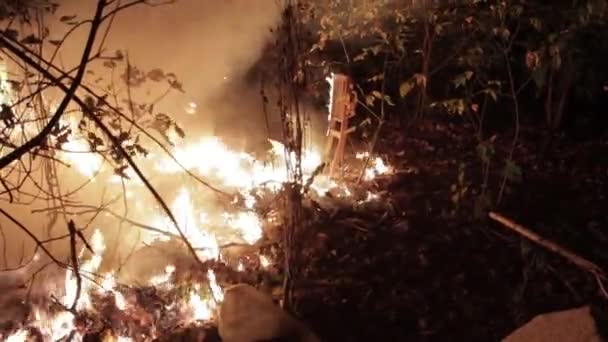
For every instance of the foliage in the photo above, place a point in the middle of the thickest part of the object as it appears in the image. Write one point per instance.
(466, 59)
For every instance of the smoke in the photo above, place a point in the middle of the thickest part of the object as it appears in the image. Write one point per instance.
(210, 45)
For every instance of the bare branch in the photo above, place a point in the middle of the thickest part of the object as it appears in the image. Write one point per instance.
(41, 136)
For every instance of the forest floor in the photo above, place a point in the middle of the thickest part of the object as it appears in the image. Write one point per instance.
(430, 273)
(413, 264)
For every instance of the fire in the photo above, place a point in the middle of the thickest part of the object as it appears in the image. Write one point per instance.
(183, 211)
(201, 309)
(208, 157)
(264, 261)
(376, 168)
(85, 269)
(19, 336)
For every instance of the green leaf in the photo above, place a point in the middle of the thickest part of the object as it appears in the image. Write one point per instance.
(405, 88)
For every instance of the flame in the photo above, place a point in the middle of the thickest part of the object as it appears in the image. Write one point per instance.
(208, 157)
(19, 336)
(163, 278)
(183, 210)
(201, 309)
(264, 261)
(330, 80)
(377, 168)
(217, 292)
(78, 152)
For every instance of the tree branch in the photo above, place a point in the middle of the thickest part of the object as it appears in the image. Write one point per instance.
(41, 136)
(577, 260)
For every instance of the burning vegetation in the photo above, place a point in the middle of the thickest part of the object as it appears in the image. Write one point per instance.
(366, 213)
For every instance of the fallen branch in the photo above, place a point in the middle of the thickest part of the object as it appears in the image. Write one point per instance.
(584, 264)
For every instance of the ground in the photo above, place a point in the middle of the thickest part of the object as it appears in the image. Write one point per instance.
(426, 273)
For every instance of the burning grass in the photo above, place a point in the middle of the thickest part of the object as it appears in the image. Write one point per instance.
(184, 297)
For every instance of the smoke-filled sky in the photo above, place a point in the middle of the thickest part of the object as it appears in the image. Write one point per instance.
(206, 43)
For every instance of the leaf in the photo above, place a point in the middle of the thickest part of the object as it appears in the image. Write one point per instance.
(67, 18)
(365, 122)
(512, 171)
(156, 75)
(360, 56)
(420, 80)
(109, 64)
(460, 81)
(180, 132)
(118, 55)
(369, 100)
(176, 85)
(55, 42)
(405, 88)
(536, 23)
(31, 39)
(376, 49)
(377, 94)
(389, 100)
(376, 78)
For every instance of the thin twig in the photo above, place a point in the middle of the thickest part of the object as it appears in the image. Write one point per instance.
(41, 136)
(74, 257)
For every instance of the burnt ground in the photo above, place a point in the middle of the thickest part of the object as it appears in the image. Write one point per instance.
(428, 272)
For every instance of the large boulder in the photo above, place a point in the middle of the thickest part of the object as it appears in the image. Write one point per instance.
(575, 325)
(249, 315)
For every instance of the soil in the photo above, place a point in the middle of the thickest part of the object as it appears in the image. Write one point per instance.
(436, 273)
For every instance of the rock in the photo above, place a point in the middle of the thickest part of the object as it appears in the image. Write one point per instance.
(249, 315)
(575, 325)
